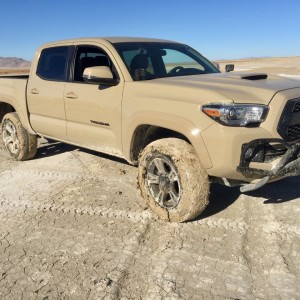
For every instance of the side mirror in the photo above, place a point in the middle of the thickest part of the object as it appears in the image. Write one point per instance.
(229, 68)
(99, 75)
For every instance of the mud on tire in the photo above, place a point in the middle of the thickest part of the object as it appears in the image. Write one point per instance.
(172, 180)
(20, 144)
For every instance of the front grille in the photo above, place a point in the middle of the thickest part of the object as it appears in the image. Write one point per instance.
(289, 123)
(294, 132)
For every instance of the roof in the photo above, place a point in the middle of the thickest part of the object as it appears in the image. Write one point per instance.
(133, 39)
(110, 40)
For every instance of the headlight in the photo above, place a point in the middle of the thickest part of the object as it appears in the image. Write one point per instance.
(236, 114)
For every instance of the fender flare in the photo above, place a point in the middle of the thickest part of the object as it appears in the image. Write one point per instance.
(175, 123)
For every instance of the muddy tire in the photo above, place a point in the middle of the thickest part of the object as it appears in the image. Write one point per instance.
(4, 109)
(172, 180)
(20, 144)
(2, 113)
(1, 118)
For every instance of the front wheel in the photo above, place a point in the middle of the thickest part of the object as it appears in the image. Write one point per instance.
(172, 180)
(20, 144)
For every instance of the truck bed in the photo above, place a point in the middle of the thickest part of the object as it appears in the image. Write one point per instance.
(13, 92)
(14, 76)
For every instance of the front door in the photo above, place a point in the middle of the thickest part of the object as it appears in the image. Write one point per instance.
(93, 114)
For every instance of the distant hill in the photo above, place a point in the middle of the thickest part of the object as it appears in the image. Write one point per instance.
(14, 63)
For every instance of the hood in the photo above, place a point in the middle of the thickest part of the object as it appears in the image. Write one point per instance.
(239, 87)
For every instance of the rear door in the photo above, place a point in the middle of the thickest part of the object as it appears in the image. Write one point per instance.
(93, 113)
(45, 93)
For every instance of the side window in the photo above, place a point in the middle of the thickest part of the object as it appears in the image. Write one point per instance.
(87, 56)
(53, 63)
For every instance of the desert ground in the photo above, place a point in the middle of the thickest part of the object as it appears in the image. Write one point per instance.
(74, 226)
(13, 71)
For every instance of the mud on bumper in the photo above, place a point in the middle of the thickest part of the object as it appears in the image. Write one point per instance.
(287, 157)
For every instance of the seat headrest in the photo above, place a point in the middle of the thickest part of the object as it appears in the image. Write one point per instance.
(87, 61)
(101, 61)
(140, 61)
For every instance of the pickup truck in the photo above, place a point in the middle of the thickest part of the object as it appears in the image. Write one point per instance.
(162, 106)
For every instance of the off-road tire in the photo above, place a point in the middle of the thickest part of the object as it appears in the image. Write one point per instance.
(4, 109)
(191, 178)
(2, 113)
(22, 145)
(1, 140)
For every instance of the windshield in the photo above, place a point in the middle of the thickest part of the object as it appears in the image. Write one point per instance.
(151, 60)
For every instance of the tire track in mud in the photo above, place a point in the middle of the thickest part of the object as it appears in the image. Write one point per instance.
(116, 278)
(65, 180)
(52, 184)
(74, 182)
(106, 212)
(39, 174)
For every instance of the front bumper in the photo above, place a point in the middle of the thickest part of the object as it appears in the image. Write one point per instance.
(283, 158)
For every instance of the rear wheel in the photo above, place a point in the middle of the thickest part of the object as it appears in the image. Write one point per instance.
(20, 144)
(4, 109)
(172, 180)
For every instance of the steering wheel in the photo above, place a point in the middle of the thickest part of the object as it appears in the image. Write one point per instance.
(176, 70)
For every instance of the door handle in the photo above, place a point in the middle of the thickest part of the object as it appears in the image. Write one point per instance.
(34, 91)
(71, 95)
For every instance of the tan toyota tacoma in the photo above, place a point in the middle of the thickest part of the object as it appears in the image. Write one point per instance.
(162, 106)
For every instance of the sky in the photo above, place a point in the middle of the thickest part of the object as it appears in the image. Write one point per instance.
(219, 29)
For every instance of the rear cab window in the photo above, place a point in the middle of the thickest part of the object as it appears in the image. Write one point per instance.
(53, 63)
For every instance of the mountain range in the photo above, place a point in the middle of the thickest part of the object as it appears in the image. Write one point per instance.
(14, 63)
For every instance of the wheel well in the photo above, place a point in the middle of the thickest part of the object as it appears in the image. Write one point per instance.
(4, 109)
(146, 134)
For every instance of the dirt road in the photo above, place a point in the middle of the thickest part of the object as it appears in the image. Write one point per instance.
(73, 226)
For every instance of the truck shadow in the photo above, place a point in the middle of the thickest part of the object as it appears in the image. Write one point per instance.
(278, 192)
(222, 197)
(52, 148)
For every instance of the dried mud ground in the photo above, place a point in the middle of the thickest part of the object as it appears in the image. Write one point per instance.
(73, 226)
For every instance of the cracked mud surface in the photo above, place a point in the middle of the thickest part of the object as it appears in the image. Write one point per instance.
(73, 226)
